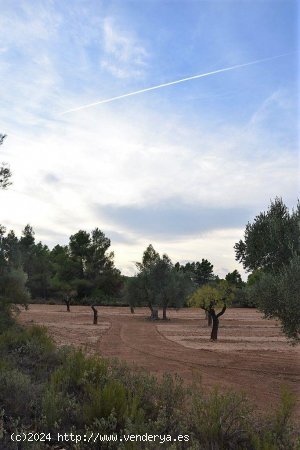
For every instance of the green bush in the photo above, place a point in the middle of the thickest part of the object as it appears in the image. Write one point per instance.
(47, 389)
(277, 432)
(33, 340)
(59, 410)
(112, 399)
(78, 371)
(6, 320)
(16, 392)
(220, 420)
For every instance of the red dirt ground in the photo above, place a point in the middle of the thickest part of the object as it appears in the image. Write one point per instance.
(251, 355)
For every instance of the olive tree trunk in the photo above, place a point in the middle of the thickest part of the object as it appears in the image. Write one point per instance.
(209, 318)
(165, 313)
(215, 321)
(95, 315)
(154, 313)
(67, 302)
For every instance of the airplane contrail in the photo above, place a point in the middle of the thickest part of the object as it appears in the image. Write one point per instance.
(170, 83)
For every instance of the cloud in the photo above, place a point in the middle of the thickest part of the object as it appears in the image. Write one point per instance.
(187, 173)
(124, 56)
(119, 238)
(216, 246)
(172, 219)
(51, 178)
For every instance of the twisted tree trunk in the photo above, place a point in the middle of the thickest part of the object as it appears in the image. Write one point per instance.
(215, 320)
(95, 315)
(67, 302)
(154, 314)
(165, 313)
(209, 318)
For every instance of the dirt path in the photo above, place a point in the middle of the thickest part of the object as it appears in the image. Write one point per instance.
(252, 355)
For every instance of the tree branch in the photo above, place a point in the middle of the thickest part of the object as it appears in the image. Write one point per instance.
(222, 312)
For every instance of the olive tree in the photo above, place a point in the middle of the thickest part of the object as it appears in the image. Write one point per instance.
(209, 298)
(277, 295)
(271, 251)
(157, 284)
(271, 239)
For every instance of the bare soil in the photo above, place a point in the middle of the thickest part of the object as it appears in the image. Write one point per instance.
(251, 354)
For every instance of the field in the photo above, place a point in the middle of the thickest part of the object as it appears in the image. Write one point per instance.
(251, 355)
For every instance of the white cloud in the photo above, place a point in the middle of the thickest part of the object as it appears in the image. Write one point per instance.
(27, 24)
(123, 153)
(124, 56)
(104, 157)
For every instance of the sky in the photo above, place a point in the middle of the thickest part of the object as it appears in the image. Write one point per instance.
(184, 167)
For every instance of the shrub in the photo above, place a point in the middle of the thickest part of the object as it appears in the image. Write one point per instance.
(16, 392)
(78, 371)
(59, 409)
(33, 340)
(112, 399)
(220, 420)
(47, 389)
(278, 432)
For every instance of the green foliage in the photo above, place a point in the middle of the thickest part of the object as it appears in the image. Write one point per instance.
(137, 291)
(271, 240)
(209, 298)
(55, 405)
(277, 295)
(234, 278)
(112, 399)
(6, 319)
(171, 400)
(82, 269)
(82, 394)
(78, 371)
(277, 432)
(12, 278)
(209, 295)
(158, 283)
(12, 287)
(150, 257)
(220, 420)
(15, 392)
(200, 272)
(254, 277)
(86, 267)
(15, 339)
(281, 420)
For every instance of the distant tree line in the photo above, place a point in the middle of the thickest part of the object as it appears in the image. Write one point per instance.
(83, 268)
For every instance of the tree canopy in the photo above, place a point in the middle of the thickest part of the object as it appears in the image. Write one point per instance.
(277, 295)
(271, 251)
(158, 283)
(234, 278)
(216, 295)
(271, 239)
(84, 268)
(209, 298)
(12, 278)
(200, 272)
